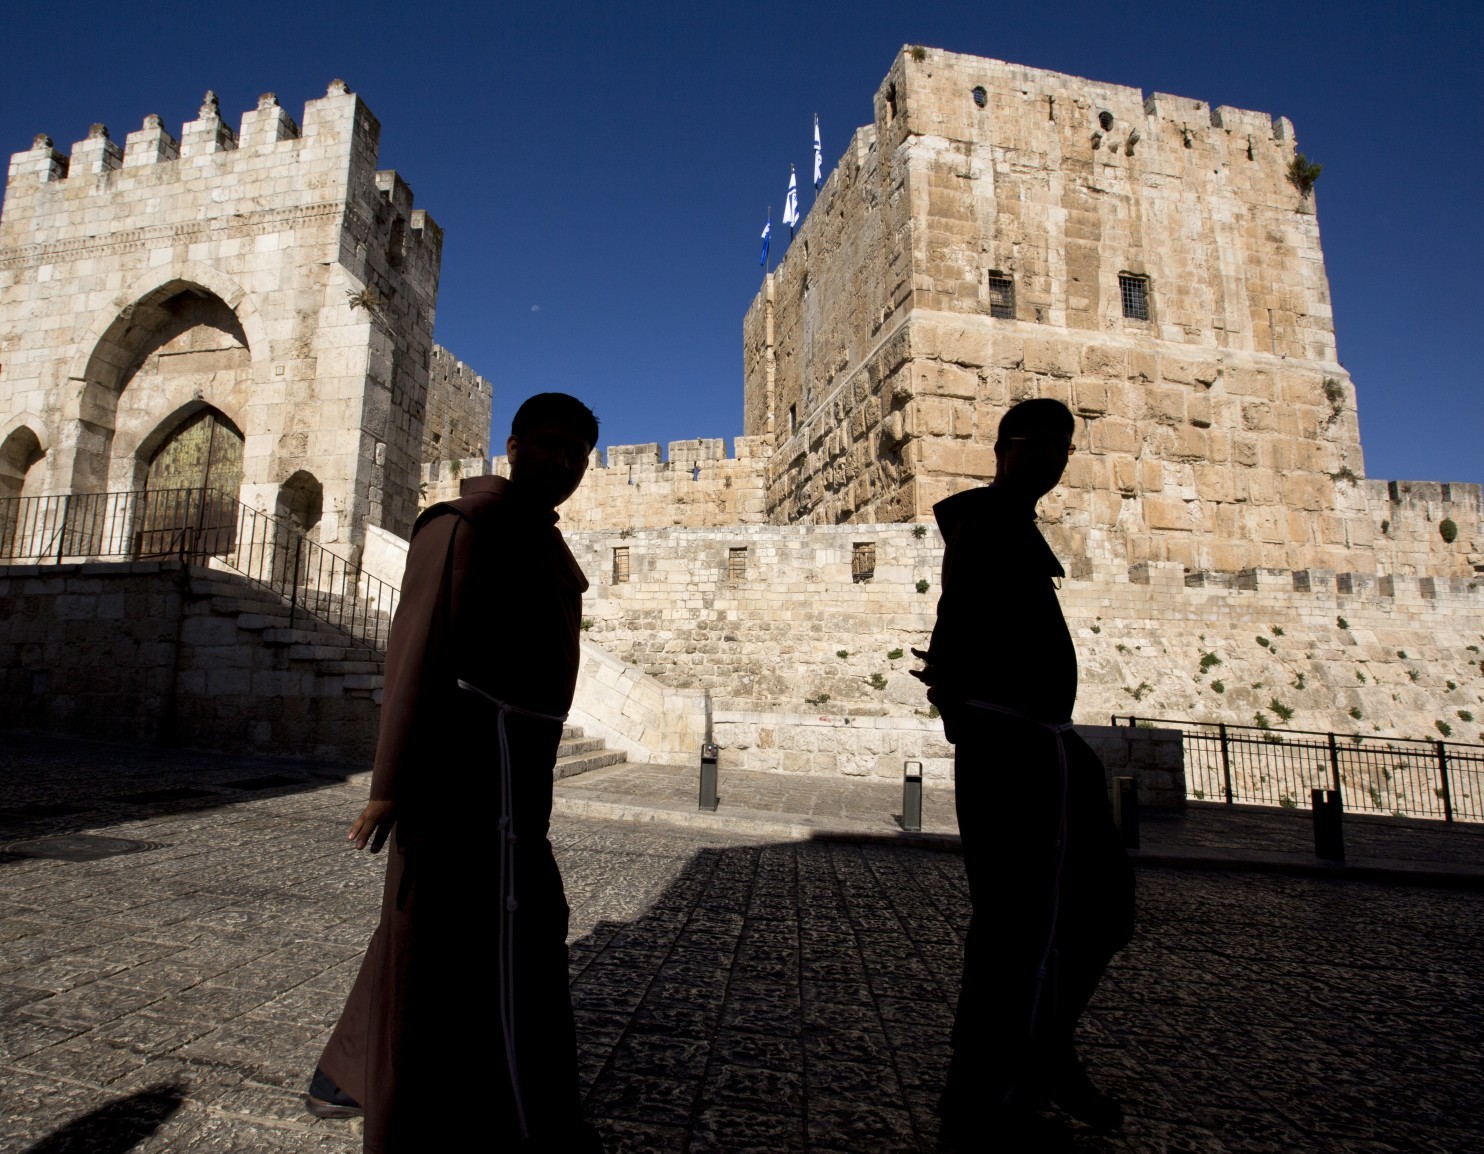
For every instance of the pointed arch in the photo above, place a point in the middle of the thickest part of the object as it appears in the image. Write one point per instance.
(198, 335)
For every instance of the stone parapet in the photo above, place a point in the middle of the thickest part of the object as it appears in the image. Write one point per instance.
(634, 487)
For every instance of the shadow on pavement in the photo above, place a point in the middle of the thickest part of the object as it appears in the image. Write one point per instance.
(51, 787)
(116, 1127)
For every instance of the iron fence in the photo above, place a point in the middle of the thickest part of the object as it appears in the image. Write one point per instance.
(1403, 777)
(201, 527)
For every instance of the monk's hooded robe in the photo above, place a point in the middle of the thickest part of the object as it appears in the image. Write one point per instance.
(455, 979)
(1050, 886)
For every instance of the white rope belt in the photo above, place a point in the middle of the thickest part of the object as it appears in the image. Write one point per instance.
(1058, 730)
(508, 902)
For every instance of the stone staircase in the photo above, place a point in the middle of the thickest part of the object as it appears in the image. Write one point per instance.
(338, 665)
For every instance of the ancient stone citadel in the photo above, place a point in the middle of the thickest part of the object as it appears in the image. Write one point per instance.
(997, 232)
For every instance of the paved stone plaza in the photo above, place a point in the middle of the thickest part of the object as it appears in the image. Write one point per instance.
(734, 991)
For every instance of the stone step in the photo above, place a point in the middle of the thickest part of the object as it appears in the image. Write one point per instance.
(579, 745)
(349, 665)
(583, 762)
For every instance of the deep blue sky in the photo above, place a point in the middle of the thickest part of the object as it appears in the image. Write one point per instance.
(601, 171)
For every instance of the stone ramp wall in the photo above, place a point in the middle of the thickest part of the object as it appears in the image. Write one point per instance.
(1396, 649)
(154, 651)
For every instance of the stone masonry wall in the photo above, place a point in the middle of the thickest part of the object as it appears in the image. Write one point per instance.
(456, 424)
(1402, 652)
(696, 484)
(151, 651)
(1410, 532)
(325, 272)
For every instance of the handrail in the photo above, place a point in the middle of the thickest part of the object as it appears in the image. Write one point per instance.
(1402, 776)
(202, 526)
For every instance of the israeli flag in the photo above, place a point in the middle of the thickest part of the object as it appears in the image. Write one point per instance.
(818, 158)
(767, 235)
(791, 204)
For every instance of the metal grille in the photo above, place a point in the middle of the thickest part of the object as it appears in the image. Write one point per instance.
(863, 561)
(201, 527)
(1135, 293)
(1381, 775)
(736, 564)
(1001, 297)
(620, 564)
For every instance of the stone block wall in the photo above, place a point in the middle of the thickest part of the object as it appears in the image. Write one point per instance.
(152, 651)
(322, 272)
(763, 631)
(633, 487)
(1410, 535)
(456, 425)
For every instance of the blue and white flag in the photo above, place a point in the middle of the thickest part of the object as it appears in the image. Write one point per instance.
(791, 204)
(818, 158)
(767, 235)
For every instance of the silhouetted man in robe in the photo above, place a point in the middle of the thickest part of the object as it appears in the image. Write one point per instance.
(1051, 887)
(458, 1032)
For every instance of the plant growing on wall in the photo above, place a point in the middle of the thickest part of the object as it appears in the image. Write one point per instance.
(894, 655)
(1284, 712)
(1448, 530)
(1302, 173)
(878, 681)
(922, 586)
(1444, 728)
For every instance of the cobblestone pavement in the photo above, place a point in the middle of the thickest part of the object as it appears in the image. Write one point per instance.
(733, 993)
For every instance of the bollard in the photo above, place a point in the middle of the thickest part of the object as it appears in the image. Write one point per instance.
(912, 796)
(1126, 810)
(709, 799)
(1329, 831)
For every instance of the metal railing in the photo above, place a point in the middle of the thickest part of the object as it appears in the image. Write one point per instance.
(1403, 777)
(201, 527)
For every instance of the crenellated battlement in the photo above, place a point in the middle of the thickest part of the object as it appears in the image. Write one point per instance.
(630, 487)
(330, 157)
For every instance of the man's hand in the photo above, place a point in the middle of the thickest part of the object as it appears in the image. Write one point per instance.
(374, 825)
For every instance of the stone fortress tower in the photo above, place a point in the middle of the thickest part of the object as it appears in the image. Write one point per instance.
(1001, 232)
(251, 309)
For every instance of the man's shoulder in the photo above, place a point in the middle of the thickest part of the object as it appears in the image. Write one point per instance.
(476, 505)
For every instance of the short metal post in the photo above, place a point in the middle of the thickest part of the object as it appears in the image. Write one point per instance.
(1226, 763)
(912, 796)
(1329, 830)
(1126, 810)
(1443, 777)
(709, 800)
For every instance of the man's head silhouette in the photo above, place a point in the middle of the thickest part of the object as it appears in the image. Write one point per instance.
(1033, 446)
(550, 440)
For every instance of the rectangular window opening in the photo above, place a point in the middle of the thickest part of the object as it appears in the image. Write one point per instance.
(620, 564)
(1001, 296)
(863, 561)
(793, 419)
(737, 564)
(1134, 291)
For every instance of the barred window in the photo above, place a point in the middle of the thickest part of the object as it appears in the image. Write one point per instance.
(1001, 296)
(620, 564)
(863, 561)
(1135, 293)
(737, 564)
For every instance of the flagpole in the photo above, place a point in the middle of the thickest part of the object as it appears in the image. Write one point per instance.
(768, 256)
